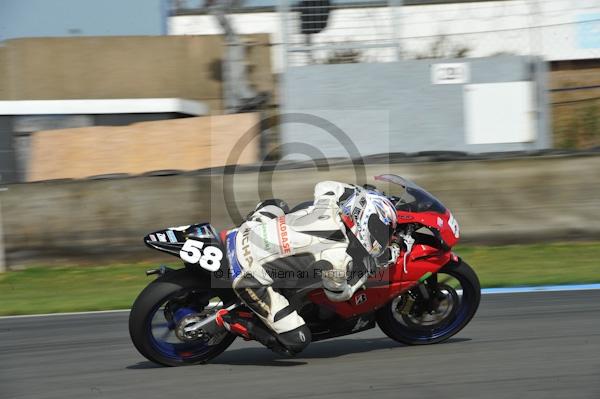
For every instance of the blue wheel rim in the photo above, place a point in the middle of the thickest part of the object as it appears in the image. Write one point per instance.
(459, 316)
(162, 337)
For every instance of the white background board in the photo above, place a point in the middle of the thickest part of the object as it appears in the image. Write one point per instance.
(499, 113)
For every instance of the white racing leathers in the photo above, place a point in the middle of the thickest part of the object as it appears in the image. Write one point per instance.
(271, 247)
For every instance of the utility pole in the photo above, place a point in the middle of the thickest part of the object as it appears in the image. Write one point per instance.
(2, 254)
(238, 94)
(397, 8)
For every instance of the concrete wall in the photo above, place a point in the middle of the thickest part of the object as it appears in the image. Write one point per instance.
(123, 67)
(183, 144)
(510, 200)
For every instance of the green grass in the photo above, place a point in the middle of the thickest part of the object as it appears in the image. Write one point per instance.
(545, 264)
(67, 289)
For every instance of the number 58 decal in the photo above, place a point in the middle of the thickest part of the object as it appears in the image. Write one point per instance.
(193, 251)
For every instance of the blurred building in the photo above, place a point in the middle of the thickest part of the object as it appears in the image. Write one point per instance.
(49, 84)
(561, 95)
(418, 75)
(21, 120)
(75, 64)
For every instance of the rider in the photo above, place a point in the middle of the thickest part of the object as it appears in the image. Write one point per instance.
(345, 235)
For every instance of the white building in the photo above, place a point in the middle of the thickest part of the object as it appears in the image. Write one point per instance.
(555, 29)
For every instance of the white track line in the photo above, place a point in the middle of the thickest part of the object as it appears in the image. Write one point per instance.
(484, 291)
(66, 314)
(543, 288)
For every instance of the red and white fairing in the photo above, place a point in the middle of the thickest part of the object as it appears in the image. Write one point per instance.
(414, 206)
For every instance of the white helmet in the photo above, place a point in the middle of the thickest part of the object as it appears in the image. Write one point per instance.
(374, 218)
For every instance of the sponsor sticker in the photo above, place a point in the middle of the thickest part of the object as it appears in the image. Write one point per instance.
(356, 212)
(282, 235)
(361, 323)
(362, 298)
(454, 226)
(152, 237)
(161, 237)
(171, 236)
(265, 237)
(234, 264)
(203, 232)
(246, 253)
(302, 336)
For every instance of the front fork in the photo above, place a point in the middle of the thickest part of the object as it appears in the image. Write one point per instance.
(423, 297)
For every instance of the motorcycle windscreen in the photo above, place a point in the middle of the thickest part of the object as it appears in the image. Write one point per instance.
(411, 197)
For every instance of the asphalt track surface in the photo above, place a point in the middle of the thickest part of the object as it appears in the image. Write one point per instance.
(535, 345)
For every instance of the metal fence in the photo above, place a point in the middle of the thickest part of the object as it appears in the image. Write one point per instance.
(307, 32)
(323, 31)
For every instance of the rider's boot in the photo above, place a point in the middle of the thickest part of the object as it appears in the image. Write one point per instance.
(248, 327)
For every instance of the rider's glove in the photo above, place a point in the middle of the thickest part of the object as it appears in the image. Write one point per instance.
(389, 256)
(394, 253)
(339, 296)
(340, 290)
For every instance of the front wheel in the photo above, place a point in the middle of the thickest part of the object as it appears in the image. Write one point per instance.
(166, 303)
(434, 310)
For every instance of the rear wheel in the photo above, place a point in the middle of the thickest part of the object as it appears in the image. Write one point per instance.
(165, 304)
(436, 309)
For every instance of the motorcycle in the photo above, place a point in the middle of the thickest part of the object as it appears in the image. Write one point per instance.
(428, 295)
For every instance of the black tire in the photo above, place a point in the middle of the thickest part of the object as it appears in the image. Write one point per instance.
(150, 299)
(458, 318)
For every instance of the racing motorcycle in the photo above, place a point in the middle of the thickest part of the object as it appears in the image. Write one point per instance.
(426, 297)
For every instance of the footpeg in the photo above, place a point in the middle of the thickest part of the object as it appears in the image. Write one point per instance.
(231, 323)
(246, 326)
(162, 270)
